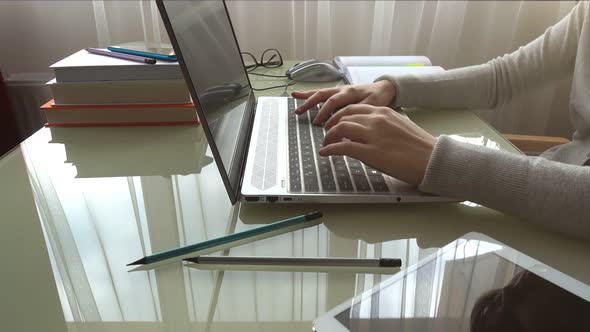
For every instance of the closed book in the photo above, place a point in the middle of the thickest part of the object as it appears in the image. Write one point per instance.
(128, 115)
(120, 92)
(83, 67)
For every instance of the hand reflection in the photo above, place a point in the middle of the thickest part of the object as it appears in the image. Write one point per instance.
(432, 225)
(530, 303)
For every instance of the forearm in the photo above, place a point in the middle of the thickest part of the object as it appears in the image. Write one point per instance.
(548, 58)
(548, 193)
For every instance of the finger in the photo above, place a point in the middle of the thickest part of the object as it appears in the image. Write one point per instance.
(358, 151)
(363, 119)
(303, 94)
(353, 131)
(318, 97)
(334, 103)
(348, 110)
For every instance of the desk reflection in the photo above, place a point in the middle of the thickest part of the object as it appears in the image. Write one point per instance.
(95, 226)
(133, 151)
(468, 288)
(529, 303)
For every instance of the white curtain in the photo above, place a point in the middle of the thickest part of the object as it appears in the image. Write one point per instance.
(451, 33)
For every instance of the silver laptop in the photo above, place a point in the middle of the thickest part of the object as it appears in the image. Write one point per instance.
(264, 152)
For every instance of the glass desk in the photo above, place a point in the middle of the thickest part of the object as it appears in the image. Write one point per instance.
(78, 204)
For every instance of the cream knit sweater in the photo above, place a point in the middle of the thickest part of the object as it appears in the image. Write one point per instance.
(552, 190)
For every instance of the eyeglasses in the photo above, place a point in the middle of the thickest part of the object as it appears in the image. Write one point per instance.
(270, 58)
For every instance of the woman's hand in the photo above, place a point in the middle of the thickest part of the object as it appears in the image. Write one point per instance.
(380, 138)
(377, 94)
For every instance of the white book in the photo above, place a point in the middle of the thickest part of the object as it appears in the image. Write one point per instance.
(120, 92)
(366, 75)
(84, 67)
(364, 69)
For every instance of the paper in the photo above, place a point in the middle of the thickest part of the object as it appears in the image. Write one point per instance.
(398, 60)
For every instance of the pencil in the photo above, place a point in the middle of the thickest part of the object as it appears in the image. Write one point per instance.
(251, 235)
(123, 56)
(297, 261)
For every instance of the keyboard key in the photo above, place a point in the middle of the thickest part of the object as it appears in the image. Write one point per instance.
(325, 169)
(295, 187)
(380, 187)
(378, 183)
(341, 168)
(354, 164)
(372, 172)
(328, 184)
(338, 160)
(344, 183)
(311, 184)
(361, 183)
(357, 171)
(309, 173)
(323, 161)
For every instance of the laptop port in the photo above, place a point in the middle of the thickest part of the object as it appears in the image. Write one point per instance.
(252, 199)
(287, 199)
(272, 199)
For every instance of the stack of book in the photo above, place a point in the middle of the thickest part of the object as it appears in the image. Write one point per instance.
(95, 90)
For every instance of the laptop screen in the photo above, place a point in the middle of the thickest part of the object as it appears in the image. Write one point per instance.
(204, 42)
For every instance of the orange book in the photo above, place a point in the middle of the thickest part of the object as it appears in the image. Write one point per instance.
(119, 115)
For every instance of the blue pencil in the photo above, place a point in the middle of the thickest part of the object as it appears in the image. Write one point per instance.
(144, 54)
(275, 228)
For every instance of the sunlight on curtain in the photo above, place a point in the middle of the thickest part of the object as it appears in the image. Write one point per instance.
(451, 33)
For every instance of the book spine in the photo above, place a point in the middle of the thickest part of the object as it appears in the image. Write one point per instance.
(124, 124)
(120, 93)
(117, 73)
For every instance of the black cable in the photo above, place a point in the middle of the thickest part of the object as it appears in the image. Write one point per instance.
(267, 75)
(274, 87)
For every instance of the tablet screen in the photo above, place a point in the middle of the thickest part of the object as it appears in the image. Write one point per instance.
(468, 289)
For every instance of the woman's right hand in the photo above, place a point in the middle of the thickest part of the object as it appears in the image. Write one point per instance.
(380, 93)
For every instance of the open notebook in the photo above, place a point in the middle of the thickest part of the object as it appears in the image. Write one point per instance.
(365, 69)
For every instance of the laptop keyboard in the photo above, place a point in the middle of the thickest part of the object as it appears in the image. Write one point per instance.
(308, 172)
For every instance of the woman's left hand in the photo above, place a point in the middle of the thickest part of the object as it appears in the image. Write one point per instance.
(381, 138)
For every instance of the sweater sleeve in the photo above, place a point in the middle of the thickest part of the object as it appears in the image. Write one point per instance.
(552, 194)
(549, 57)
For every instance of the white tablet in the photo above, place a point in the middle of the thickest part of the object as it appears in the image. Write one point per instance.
(472, 284)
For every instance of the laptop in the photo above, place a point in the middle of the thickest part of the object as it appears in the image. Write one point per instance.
(265, 153)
